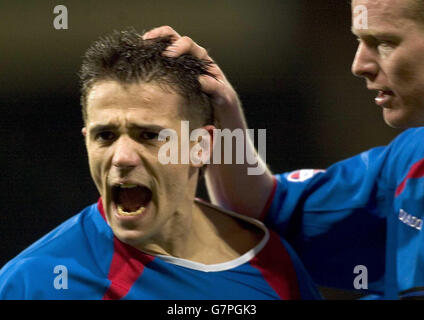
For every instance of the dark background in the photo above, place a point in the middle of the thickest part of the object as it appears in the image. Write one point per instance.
(289, 60)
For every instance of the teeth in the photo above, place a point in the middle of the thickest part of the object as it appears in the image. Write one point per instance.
(122, 212)
(128, 186)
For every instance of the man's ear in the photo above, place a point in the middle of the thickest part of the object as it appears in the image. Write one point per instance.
(84, 131)
(201, 151)
(210, 129)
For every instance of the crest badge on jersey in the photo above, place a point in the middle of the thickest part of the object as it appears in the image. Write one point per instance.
(303, 175)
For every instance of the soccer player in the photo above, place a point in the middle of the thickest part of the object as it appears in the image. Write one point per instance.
(363, 213)
(147, 237)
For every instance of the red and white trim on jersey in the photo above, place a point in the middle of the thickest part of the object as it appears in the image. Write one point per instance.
(416, 171)
(269, 256)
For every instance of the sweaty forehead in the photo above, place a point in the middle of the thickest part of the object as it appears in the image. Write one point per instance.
(149, 98)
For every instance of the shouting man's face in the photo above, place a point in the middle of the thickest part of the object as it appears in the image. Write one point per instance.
(144, 200)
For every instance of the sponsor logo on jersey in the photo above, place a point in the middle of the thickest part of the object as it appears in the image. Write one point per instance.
(410, 220)
(303, 175)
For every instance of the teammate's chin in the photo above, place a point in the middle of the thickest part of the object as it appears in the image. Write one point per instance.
(401, 117)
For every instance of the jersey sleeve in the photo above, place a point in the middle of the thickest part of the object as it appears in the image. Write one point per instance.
(12, 286)
(336, 219)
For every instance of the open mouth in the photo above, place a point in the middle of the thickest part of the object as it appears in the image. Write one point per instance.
(383, 97)
(131, 199)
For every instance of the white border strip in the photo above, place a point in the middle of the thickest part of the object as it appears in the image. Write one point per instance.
(225, 265)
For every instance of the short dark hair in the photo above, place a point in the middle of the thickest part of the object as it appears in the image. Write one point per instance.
(125, 57)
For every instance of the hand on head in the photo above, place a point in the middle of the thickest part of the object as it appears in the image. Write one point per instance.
(224, 97)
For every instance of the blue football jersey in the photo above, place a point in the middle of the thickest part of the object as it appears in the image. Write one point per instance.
(82, 259)
(365, 211)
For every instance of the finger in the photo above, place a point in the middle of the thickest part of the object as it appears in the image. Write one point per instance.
(211, 86)
(216, 71)
(186, 45)
(216, 89)
(162, 31)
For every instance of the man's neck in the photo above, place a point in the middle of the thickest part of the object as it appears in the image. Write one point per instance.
(205, 235)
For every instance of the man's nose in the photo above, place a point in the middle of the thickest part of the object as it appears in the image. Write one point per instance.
(364, 65)
(125, 154)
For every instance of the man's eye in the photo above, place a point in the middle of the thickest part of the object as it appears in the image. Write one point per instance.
(386, 47)
(383, 43)
(145, 135)
(105, 136)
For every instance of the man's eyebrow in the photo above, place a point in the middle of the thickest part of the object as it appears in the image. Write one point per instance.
(146, 127)
(372, 33)
(363, 32)
(94, 128)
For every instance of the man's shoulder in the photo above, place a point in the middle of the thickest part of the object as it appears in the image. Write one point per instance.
(82, 246)
(406, 152)
(54, 245)
(410, 140)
